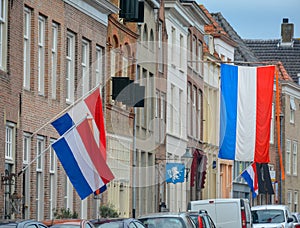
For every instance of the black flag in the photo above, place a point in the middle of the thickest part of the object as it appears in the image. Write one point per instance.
(264, 179)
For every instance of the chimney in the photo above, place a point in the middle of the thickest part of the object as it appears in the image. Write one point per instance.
(287, 31)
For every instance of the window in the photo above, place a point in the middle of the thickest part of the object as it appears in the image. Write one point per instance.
(26, 60)
(272, 124)
(189, 49)
(143, 112)
(99, 65)
(41, 55)
(181, 56)
(292, 110)
(85, 79)
(173, 46)
(52, 160)
(162, 116)
(288, 156)
(39, 196)
(125, 66)
(189, 108)
(289, 199)
(180, 112)
(151, 40)
(162, 106)
(194, 120)
(145, 35)
(295, 157)
(199, 121)
(200, 56)
(70, 67)
(26, 148)
(26, 174)
(160, 47)
(40, 146)
(9, 141)
(3, 34)
(171, 105)
(52, 184)
(296, 201)
(52, 195)
(194, 52)
(54, 59)
(156, 104)
(68, 193)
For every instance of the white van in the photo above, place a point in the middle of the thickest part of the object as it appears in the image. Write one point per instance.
(272, 216)
(226, 213)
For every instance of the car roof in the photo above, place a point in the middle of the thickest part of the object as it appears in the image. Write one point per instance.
(107, 220)
(64, 221)
(269, 207)
(22, 222)
(164, 214)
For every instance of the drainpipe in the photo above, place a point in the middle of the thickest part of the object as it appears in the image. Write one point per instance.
(280, 181)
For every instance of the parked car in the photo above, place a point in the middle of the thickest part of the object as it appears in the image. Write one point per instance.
(272, 216)
(202, 219)
(225, 213)
(117, 223)
(296, 217)
(68, 223)
(21, 224)
(168, 220)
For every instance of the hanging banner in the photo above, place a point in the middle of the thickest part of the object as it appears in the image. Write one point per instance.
(175, 173)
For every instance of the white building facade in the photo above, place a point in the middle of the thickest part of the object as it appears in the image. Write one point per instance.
(177, 23)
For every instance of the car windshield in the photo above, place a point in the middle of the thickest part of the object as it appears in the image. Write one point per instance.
(65, 226)
(112, 224)
(268, 216)
(194, 217)
(165, 222)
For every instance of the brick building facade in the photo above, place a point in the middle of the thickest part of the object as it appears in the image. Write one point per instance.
(51, 46)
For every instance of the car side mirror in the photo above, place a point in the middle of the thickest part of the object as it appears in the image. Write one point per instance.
(290, 219)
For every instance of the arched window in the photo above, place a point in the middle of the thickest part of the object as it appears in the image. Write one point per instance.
(126, 56)
(145, 35)
(189, 48)
(114, 56)
(151, 40)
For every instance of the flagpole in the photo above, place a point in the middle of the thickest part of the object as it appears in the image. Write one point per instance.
(278, 125)
(29, 164)
(241, 173)
(63, 111)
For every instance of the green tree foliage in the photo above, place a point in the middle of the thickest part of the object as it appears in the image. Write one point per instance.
(64, 213)
(108, 211)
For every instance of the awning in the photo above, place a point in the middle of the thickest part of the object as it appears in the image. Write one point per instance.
(292, 103)
(198, 169)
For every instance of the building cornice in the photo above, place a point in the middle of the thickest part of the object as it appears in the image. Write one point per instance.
(199, 17)
(290, 88)
(174, 8)
(122, 27)
(97, 9)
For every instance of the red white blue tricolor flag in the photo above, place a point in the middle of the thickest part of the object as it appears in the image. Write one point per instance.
(245, 112)
(250, 176)
(81, 148)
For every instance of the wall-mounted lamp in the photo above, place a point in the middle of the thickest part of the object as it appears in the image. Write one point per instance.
(121, 186)
(8, 178)
(187, 157)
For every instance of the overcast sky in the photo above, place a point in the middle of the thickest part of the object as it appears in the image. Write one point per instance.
(257, 19)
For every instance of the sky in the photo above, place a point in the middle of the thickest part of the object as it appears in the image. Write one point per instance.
(257, 19)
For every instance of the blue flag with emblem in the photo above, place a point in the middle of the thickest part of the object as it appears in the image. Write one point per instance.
(175, 173)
